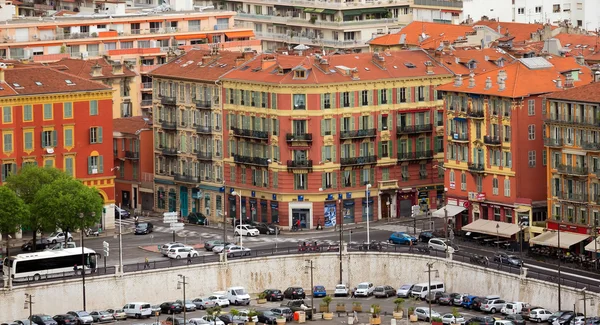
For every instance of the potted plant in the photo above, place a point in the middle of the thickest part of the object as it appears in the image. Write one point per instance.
(213, 312)
(326, 313)
(280, 320)
(357, 307)
(262, 298)
(375, 319)
(340, 307)
(399, 310)
(234, 312)
(322, 307)
(436, 321)
(251, 315)
(411, 314)
(455, 313)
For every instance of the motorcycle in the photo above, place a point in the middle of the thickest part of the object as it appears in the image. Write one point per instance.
(372, 246)
(91, 232)
(479, 259)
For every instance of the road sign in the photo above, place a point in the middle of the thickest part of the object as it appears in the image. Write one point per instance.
(176, 226)
(106, 247)
(170, 217)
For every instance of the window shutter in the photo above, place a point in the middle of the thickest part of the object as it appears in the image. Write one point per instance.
(352, 95)
(322, 101)
(3, 175)
(273, 100)
(277, 127)
(89, 165)
(389, 122)
(371, 122)
(351, 124)
(323, 180)
(360, 123)
(353, 177)
(379, 149)
(333, 123)
(226, 95)
(426, 93)
(361, 152)
(372, 175)
(409, 94)
(100, 164)
(332, 100)
(323, 127)
(379, 97)
(323, 158)
(370, 97)
(333, 148)
(409, 145)
(334, 179)
(362, 176)
(397, 91)
(379, 122)
(54, 138)
(99, 134)
(389, 95)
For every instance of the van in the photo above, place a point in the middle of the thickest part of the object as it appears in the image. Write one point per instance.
(514, 307)
(138, 309)
(420, 290)
(238, 296)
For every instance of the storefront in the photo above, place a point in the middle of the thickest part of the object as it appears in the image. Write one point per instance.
(348, 211)
(275, 212)
(406, 199)
(367, 209)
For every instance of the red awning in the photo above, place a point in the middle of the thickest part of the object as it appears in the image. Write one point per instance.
(240, 34)
(47, 27)
(451, 11)
(194, 36)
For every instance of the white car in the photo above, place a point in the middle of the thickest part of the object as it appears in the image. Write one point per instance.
(182, 252)
(219, 299)
(441, 245)
(246, 230)
(243, 316)
(450, 319)
(164, 249)
(219, 248)
(579, 320)
(423, 313)
(206, 320)
(59, 237)
(234, 251)
(341, 290)
(364, 289)
(539, 315)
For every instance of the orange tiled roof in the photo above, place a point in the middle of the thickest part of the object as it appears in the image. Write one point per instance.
(210, 69)
(396, 64)
(44, 80)
(485, 60)
(521, 32)
(587, 93)
(436, 33)
(522, 81)
(83, 68)
(585, 45)
(130, 125)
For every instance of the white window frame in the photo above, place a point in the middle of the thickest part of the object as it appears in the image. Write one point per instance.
(507, 187)
(531, 107)
(531, 131)
(531, 158)
(495, 186)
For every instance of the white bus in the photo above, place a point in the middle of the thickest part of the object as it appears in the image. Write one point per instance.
(48, 264)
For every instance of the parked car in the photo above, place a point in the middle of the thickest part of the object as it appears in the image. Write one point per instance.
(175, 320)
(458, 299)
(65, 319)
(235, 250)
(267, 317)
(441, 245)
(592, 320)
(284, 312)
(516, 319)
(425, 236)
(267, 229)
(229, 319)
(467, 301)
(144, 228)
(319, 291)
(493, 305)
(341, 290)
(243, 316)
(203, 303)
(448, 319)
(273, 294)
(197, 218)
(220, 248)
(188, 305)
(294, 293)
(481, 320)
(433, 296)
(245, 230)
(23, 322)
(423, 313)
(164, 248)
(578, 320)
(566, 318)
(364, 289)
(556, 315)
(42, 319)
(102, 316)
(404, 290)
(384, 291)
(182, 252)
(83, 317)
(40, 244)
(513, 307)
(210, 244)
(504, 258)
(447, 298)
(206, 320)
(170, 308)
(59, 237)
(121, 213)
(155, 309)
(477, 303)
(401, 238)
(527, 310)
(539, 315)
(118, 314)
(220, 300)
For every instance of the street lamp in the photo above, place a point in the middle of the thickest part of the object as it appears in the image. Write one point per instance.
(429, 270)
(368, 186)
(83, 255)
(388, 203)
(240, 195)
(341, 218)
(312, 287)
(179, 286)
(559, 261)
(498, 238)
(28, 304)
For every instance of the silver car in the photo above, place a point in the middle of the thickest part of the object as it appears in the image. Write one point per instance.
(102, 316)
(492, 305)
(164, 249)
(82, 317)
(384, 291)
(423, 313)
(451, 319)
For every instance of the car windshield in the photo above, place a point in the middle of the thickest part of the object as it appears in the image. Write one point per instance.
(120, 310)
(363, 286)
(83, 313)
(418, 289)
(340, 286)
(240, 292)
(378, 289)
(557, 314)
(268, 313)
(405, 287)
(142, 225)
(320, 288)
(46, 318)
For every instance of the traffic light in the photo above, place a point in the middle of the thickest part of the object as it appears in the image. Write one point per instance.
(106, 248)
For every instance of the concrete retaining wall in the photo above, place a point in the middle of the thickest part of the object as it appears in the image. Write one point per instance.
(257, 274)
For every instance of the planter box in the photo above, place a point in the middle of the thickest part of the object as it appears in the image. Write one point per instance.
(262, 301)
(341, 309)
(357, 309)
(250, 323)
(398, 315)
(375, 320)
(328, 316)
(436, 323)
(280, 321)
(323, 309)
(413, 318)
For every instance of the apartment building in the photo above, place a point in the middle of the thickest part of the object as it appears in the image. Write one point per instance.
(305, 135)
(573, 149)
(495, 158)
(55, 119)
(188, 132)
(580, 13)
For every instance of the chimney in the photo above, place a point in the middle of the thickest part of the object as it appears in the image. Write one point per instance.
(501, 84)
(239, 61)
(559, 83)
(96, 70)
(488, 83)
(355, 74)
(472, 80)
(501, 75)
(324, 65)
(267, 61)
(569, 81)
(596, 76)
(248, 54)
(2, 75)
(458, 80)
(378, 60)
(580, 60)
(117, 68)
(429, 67)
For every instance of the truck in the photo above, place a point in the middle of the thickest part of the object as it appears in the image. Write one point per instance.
(299, 305)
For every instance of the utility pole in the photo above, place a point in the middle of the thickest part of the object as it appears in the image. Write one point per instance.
(28, 304)
(429, 270)
(179, 286)
(341, 232)
(120, 241)
(312, 286)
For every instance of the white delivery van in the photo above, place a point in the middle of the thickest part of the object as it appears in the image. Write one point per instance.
(138, 309)
(238, 296)
(421, 290)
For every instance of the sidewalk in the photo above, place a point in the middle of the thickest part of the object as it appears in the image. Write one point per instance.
(27, 236)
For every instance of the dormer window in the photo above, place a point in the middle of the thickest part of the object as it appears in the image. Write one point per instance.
(471, 64)
(299, 74)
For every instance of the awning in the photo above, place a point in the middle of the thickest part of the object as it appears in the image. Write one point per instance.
(550, 238)
(329, 12)
(522, 210)
(374, 10)
(592, 246)
(318, 10)
(492, 228)
(184, 37)
(452, 211)
(247, 33)
(354, 12)
(47, 27)
(309, 9)
(297, 7)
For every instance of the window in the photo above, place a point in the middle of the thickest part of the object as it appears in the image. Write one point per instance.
(49, 139)
(327, 180)
(7, 114)
(96, 134)
(538, 9)
(299, 74)
(507, 187)
(496, 214)
(300, 181)
(95, 165)
(507, 159)
(531, 107)
(521, 11)
(27, 113)
(479, 184)
(69, 163)
(451, 176)
(544, 158)
(47, 111)
(384, 122)
(531, 156)
(28, 140)
(299, 101)
(326, 101)
(384, 149)
(402, 94)
(556, 8)
(364, 95)
(405, 173)
(7, 142)
(346, 99)
(93, 107)
(423, 171)
(384, 99)
(385, 174)
(421, 93)
(531, 131)
(68, 110)
(463, 182)
(68, 138)
(495, 186)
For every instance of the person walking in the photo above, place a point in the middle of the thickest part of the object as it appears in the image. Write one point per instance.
(353, 293)
(189, 258)
(146, 263)
(75, 269)
(298, 224)
(410, 248)
(355, 318)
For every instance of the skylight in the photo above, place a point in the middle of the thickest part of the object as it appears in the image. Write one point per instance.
(38, 83)
(16, 85)
(409, 65)
(69, 82)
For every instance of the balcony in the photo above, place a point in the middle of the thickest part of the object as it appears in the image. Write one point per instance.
(415, 155)
(591, 146)
(299, 164)
(294, 139)
(146, 85)
(204, 155)
(252, 134)
(358, 134)
(388, 185)
(169, 151)
(254, 161)
(182, 178)
(315, 41)
(206, 129)
(439, 3)
(164, 100)
(492, 140)
(552, 142)
(132, 154)
(168, 125)
(475, 114)
(319, 22)
(202, 104)
(459, 137)
(572, 170)
(358, 161)
(476, 168)
(146, 102)
(417, 128)
(575, 197)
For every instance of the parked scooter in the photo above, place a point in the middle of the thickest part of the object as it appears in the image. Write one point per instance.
(479, 259)
(372, 246)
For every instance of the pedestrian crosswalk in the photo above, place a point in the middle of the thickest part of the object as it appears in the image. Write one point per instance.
(409, 229)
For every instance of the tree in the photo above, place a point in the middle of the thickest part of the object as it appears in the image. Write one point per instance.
(26, 184)
(64, 200)
(13, 212)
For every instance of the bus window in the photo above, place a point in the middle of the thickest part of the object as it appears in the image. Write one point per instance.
(92, 261)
